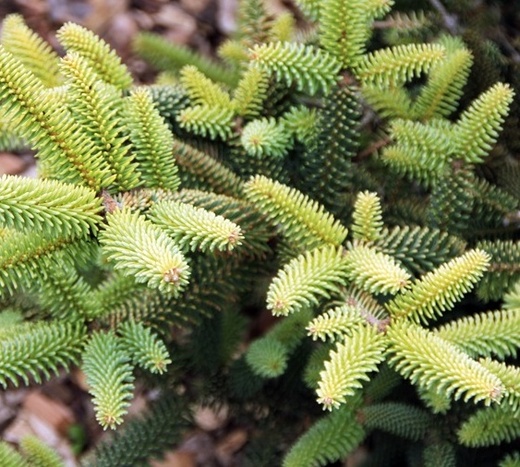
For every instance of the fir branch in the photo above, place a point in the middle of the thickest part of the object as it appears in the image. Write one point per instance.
(206, 170)
(510, 377)
(394, 66)
(109, 376)
(30, 49)
(349, 364)
(250, 93)
(207, 121)
(303, 222)
(97, 107)
(335, 323)
(330, 439)
(201, 90)
(255, 229)
(375, 272)
(478, 127)
(327, 172)
(367, 219)
(266, 137)
(345, 27)
(304, 280)
(151, 142)
(167, 56)
(195, 228)
(48, 206)
(441, 288)
(433, 363)
(40, 118)
(143, 250)
(38, 454)
(440, 96)
(267, 357)
(144, 347)
(97, 53)
(397, 418)
(490, 426)
(485, 334)
(38, 351)
(309, 68)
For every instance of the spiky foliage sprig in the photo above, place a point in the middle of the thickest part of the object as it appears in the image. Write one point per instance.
(394, 66)
(400, 419)
(265, 137)
(142, 249)
(306, 279)
(267, 357)
(421, 356)
(250, 93)
(207, 121)
(349, 364)
(152, 142)
(303, 222)
(32, 50)
(97, 107)
(503, 425)
(309, 68)
(97, 53)
(255, 230)
(367, 219)
(445, 81)
(202, 90)
(195, 228)
(375, 272)
(145, 348)
(109, 376)
(335, 323)
(315, 446)
(510, 377)
(39, 454)
(492, 333)
(477, 129)
(48, 206)
(168, 56)
(39, 351)
(440, 289)
(144, 438)
(39, 118)
(345, 27)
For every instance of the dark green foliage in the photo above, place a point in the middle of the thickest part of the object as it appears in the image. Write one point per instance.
(326, 170)
(144, 438)
(330, 439)
(399, 419)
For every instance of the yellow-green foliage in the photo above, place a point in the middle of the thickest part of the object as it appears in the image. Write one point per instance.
(168, 221)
